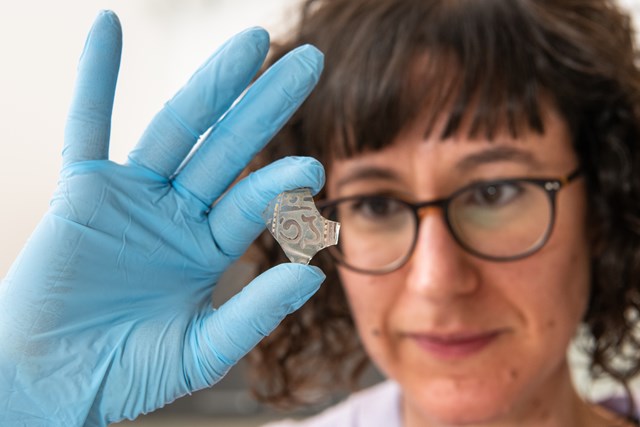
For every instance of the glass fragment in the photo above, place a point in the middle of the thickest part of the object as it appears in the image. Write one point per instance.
(294, 221)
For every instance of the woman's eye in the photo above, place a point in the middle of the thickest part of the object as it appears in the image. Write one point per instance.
(495, 195)
(376, 207)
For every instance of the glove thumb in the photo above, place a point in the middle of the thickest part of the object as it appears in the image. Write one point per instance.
(224, 336)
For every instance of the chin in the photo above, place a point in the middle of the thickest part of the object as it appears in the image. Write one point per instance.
(460, 408)
(463, 417)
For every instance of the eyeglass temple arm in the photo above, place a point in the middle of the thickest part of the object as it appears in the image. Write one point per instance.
(573, 175)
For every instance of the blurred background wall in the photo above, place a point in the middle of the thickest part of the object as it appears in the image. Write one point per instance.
(164, 42)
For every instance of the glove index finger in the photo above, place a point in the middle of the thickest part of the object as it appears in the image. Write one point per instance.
(89, 121)
(236, 219)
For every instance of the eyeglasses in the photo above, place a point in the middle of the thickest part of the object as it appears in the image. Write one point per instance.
(499, 220)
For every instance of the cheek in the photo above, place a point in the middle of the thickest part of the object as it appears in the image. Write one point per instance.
(551, 287)
(550, 291)
(566, 274)
(372, 300)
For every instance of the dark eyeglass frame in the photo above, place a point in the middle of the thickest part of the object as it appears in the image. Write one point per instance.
(551, 186)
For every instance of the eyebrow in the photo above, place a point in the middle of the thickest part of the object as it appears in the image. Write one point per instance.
(491, 155)
(497, 154)
(368, 172)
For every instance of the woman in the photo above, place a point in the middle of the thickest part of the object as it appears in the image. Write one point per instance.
(483, 160)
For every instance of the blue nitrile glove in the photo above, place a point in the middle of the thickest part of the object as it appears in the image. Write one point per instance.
(106, 313)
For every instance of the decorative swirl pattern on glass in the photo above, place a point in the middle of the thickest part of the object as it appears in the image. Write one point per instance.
(294, 221)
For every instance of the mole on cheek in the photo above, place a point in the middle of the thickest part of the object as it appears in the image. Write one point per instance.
(536, 404)
(551, 323)
(514, 374)
(375, 332)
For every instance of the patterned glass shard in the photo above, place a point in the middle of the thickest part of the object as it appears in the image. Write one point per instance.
(294, 221)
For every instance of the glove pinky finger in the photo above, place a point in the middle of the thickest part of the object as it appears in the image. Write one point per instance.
(89, 120)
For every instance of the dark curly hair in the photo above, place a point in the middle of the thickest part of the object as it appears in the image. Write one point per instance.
(495, 64)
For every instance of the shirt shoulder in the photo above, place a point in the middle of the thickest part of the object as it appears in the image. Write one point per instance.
(623, 407)
(376, 406)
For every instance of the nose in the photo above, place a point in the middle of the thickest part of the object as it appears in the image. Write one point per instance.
(439, 269)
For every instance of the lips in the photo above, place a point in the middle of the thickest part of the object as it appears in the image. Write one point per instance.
(454, 346)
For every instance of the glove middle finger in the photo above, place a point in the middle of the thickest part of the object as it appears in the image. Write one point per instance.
(249, 125)
(200, 103)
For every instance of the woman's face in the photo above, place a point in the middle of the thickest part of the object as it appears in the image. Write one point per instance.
(471, 340)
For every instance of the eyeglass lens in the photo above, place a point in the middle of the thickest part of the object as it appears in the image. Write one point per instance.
(500, 221)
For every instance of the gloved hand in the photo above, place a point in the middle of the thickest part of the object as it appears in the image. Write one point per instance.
(106, 313)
